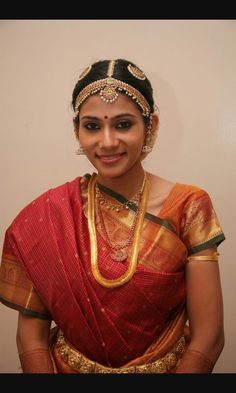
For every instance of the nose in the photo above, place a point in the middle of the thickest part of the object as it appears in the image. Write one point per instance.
(108, 139)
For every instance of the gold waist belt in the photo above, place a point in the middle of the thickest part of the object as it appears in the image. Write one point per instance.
(83, 365)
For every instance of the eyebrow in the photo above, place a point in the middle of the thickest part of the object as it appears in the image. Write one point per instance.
(88, 117)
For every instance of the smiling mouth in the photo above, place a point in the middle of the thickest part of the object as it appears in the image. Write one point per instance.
(110, 158)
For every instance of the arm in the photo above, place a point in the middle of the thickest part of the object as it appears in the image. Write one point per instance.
(33, 344)
(205, 314)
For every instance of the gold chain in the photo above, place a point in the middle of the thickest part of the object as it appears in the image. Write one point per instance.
(119, 251)
(127, 241)
(112, 283)
(115, 206)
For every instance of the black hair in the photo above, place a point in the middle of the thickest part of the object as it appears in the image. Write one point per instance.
(99, 71)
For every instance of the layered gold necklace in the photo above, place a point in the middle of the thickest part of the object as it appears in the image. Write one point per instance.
(112, 283)
(119, 251)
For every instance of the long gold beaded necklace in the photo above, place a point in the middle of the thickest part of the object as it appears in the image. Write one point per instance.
(112, 283)
(119, 251)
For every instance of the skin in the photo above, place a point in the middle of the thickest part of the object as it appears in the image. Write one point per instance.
(205, 307)
(112, 136)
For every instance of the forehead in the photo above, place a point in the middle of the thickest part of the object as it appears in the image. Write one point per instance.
(94, 106)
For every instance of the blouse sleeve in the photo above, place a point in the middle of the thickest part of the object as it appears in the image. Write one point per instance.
(16, 289)
(200, 227)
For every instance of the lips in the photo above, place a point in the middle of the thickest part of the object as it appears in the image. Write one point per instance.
(110, 158)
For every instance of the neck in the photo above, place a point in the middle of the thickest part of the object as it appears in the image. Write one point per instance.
(127, 184)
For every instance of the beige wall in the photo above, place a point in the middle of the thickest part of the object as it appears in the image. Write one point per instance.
(192, 64)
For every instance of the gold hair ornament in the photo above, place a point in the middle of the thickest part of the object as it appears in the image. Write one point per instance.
(109, 88)
(85, 72)
(136, 72)
(112, 283)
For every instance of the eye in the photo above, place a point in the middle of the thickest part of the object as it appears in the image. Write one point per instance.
(124, 124)
(91, 126)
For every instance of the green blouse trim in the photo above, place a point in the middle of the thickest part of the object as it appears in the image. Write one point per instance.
(25, 311)
(120, 198)
(214, 241)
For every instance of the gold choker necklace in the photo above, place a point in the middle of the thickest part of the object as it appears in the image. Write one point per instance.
(104, 201)
(112, 283)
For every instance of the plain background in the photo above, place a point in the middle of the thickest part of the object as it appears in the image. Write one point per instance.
(192, 66)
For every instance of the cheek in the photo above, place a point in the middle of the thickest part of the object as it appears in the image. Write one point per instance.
(137, 139)
(85, 139)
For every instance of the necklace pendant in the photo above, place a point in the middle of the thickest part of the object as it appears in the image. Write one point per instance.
(119, 256)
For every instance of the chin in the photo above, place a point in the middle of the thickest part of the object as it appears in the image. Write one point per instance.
(111, 172)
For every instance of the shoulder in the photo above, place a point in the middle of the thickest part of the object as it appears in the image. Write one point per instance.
(174, 198)
(191, 202)
(175, 190)
(55, 192)
(190, 190)
(190, 193)
(52, 196)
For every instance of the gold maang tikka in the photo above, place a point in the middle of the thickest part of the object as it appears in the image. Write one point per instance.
(109, 88)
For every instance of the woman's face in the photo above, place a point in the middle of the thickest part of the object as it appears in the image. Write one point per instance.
(112, 135)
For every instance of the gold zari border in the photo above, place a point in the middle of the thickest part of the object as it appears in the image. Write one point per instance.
(83, 365)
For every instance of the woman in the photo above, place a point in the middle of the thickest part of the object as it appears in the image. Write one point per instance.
(122, 261)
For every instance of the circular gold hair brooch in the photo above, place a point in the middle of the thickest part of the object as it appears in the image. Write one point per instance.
(85, 72)
(136, 72)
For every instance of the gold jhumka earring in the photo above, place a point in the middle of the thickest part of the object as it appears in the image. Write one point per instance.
(147, 148)
(80, 151)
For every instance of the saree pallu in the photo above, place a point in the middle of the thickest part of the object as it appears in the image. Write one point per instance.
(46, 271)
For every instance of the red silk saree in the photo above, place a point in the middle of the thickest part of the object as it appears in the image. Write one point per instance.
(46, 271)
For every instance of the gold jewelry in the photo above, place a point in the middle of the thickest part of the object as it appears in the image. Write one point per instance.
(115, 206)
(111, 67)
(194, 362)
(108, 89)
(212, 258)
(147, 148)
(80, 151)
(109, 205)
(112, 283)
(119, 252)
(136, 72)
(85, 72)
(83, 365)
